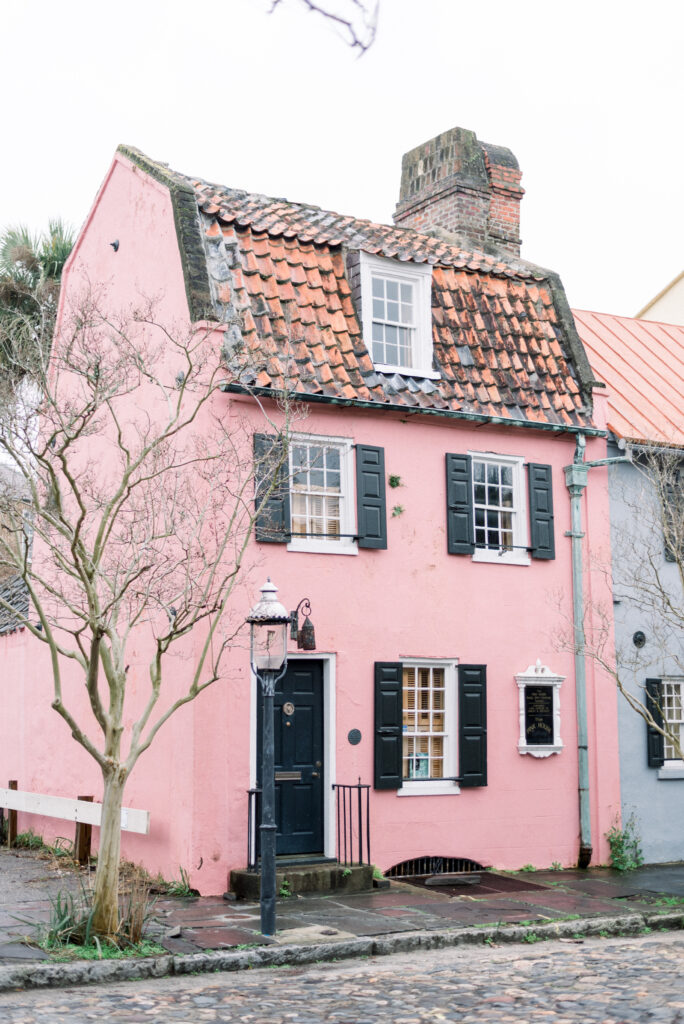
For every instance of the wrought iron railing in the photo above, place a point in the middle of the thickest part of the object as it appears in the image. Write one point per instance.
(353, 823)
(253, 819)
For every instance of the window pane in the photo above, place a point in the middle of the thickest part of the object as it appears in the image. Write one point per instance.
(392, 290)
(378, 287)
(424, 721)
(316, 490)
(507, 475)
(492, 473)
(479, 471)
(378, 309)
(480, 494)
(392, 310)
(507, 497)
(492, 495)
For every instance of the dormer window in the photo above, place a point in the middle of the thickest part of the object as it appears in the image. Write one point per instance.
(397, 318)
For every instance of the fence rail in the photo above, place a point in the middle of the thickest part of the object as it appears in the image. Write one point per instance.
(353, 822)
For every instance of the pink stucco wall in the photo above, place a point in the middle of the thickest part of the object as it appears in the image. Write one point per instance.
(411, 600)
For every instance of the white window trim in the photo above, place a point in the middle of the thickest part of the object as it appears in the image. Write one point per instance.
(673, 767)
(539, 675)
(420, 276)
(439, 787)
(519, 554)
(345, 545)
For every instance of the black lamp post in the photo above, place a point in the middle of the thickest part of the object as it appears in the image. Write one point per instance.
(268, 622)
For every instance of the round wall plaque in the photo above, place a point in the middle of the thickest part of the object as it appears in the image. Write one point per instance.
(288, 708)
(354, 736)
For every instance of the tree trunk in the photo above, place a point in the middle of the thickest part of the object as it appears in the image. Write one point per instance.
(106, 898)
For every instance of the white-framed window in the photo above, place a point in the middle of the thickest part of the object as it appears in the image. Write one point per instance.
(672, 694)
(499, 509)
(429, 727)
(539, 711)
(397, 315)
(321, 494)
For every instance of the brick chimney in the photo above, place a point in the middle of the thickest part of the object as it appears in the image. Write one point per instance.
(462, 190)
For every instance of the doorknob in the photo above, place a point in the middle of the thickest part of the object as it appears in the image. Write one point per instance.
(314, 775)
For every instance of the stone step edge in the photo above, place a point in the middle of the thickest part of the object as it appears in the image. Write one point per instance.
(89, 972)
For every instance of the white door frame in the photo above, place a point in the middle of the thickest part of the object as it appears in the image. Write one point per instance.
(329, 661)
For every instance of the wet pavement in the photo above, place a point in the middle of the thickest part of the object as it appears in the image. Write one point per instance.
(607, 981)
(186, 926)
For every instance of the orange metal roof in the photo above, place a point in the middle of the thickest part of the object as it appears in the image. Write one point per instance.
(642, 364)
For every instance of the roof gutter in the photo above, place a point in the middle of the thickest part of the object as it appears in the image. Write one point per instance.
(471, 417)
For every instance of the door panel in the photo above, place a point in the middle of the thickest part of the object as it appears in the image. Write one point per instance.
(298, 733)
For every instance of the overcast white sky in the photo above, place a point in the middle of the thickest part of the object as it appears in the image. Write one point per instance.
(588, 95)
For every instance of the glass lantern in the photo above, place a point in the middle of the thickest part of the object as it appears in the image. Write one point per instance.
(268, 625)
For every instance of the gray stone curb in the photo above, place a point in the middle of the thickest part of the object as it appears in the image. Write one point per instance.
(89, 972)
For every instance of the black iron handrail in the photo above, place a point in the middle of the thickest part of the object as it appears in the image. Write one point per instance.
(353, 822)
(253, 819)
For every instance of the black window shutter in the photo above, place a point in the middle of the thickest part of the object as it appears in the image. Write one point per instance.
(273, 521)
(459, 483)
(388, 721)
(472, 725)
(371, 506)
(655, 742)
(541, 511)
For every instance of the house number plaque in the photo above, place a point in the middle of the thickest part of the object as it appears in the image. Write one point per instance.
(538, 715)
(288, 708)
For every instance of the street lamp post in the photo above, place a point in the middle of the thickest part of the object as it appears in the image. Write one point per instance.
(268, 624)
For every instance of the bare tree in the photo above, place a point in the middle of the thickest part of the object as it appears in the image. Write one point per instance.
(356, 20)
(647, 575)
(127, 505)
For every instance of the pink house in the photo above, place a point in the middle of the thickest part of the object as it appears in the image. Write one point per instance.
(424, 513)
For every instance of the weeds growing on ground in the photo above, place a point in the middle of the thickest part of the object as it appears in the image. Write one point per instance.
(177, 886)
(70, 923)
(625, 845)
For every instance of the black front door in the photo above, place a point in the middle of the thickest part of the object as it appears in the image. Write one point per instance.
(298, 731)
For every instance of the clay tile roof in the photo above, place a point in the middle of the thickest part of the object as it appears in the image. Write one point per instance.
(291, 305)
(642, 364)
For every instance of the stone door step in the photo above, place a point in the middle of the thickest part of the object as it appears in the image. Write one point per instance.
(295, 879)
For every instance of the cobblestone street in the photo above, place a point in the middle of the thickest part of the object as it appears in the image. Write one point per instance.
(610, 981)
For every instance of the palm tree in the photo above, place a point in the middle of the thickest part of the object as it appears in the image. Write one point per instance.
(30, 272)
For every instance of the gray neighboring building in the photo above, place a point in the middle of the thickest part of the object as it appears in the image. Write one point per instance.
(642, 365)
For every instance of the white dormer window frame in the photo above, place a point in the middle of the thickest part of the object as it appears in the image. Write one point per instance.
(396, 304)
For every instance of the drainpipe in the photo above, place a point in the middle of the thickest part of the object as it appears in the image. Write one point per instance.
(576, 480)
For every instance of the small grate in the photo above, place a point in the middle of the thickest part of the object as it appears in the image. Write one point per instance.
(432, 866)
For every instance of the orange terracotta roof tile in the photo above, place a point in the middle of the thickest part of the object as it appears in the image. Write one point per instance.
(287, 264)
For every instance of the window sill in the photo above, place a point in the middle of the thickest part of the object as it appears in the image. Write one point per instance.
(407, 371)
(323, 547)
(501, 558)
(670, 774)
(541, 751)
(435, 788)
